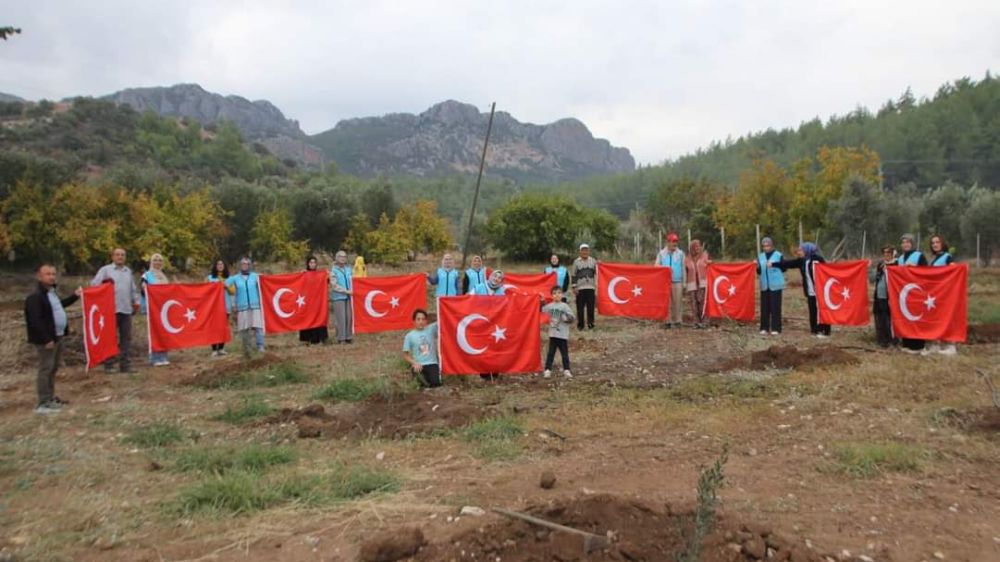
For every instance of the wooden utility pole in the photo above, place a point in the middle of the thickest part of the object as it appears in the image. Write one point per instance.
(479, 181)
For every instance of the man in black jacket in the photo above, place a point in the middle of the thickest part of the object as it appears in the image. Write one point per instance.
(45, 316)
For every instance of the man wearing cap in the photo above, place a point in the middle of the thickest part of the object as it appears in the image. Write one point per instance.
(673, 257)
(584, 278)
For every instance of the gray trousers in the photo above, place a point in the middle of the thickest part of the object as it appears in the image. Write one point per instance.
(343, 320)
(48, 364)
(676, 303)
(124, 344)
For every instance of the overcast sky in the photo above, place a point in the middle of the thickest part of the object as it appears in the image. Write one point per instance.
(659, 77)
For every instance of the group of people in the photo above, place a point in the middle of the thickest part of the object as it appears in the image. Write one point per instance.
(47, 323)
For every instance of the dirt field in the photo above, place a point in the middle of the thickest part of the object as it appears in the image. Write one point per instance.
(836, 451)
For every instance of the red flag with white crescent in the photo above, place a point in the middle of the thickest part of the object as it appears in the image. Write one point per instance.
(100, 325)
(532, 284)
(383, 304)
(635, 291)
(294, 301)
(929, 303)
(186, 315)
(489, 334)
(730, 291)
(842, 292)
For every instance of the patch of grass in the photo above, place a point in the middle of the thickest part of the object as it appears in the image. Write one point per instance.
(155, 435)
(251, 408)
(701, 389)
(356, 389)
(238, 493)
(278, 374)
(255, 458)
(864, 460)
(984, 312)
(496, 438)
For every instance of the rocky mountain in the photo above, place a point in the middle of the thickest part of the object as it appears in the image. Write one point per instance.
(259, 120)
(448, 139)
(9, 97)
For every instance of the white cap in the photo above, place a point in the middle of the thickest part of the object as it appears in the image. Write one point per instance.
(584, 245)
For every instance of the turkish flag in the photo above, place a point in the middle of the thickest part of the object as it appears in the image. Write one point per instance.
(100, 326)
(731, 291)
(489, 334)
(186, 315)
(842, 292)
(383, 304)
(533, 284)
(294, 301)
(929, 303)
(635, 291)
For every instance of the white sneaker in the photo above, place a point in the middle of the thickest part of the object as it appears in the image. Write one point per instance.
(912, 351)
(763, 332)
(161, 363)
(547, 373)
(567, 374)
(932, 348)
(822, 336)
(261, 349)
(773, 333)
(948, 350)
(46, 409)
(215, 353)
(223, 353)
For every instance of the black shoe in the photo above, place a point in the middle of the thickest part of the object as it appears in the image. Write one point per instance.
(60, 401)
(590, 326)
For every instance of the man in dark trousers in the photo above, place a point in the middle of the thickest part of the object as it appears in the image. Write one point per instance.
(45, 317)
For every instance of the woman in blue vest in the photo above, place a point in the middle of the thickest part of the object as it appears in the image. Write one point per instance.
(493, 287)
(562, 275)
(910, 256)
(245, 288)
(940, 257)
(317, 334)
(342, 289)
(475, 275)
(808, 257)
(772, 282)
(218, 274)
(446, 278)
(153, 276)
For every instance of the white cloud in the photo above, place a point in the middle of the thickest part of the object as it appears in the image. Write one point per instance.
(660, 78)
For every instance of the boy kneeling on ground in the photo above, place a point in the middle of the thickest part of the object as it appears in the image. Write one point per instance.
(420, 349)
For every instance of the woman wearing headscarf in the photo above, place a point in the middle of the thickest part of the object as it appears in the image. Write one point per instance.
(494, 287)
(360, 269)
(342, 290)
(807, 257)
(446, 279)
(696, 280)
(910, 256)
(218, 274)
(154, 276)
(772, 282)
(940, 257)
(475, 275)
(245, 288)
(562, 274)
(319, 334)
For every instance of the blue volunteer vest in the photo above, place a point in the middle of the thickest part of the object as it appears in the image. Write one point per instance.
(771, 278)
(476, 277)
(914, 259)
(560, 274)
(941, 260)
(343, 277)
(247, 295)
(676, 265)
(447, 283)
(484, 289)
(150, 280)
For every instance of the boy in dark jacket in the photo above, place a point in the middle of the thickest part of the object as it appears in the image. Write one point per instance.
(45, 317)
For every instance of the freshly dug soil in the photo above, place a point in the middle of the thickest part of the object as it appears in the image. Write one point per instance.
(984, 333)
(392, 545)
(983, 420)
(640, 532)
(790, 357)
(217, 374)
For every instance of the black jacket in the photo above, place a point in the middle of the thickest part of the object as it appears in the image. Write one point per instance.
(38, 316)
(804, 265)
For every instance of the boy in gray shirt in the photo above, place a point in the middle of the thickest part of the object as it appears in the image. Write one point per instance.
(561, 318)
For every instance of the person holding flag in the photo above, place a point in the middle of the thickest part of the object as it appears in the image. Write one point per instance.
(47, 323)
(420, 350)
(318, 334)
(153, 276)
(445, 279)
(772, 283)
(126, 304)
(807, 256)
(245, 288)
(492, 286)
(341, 291)
(218, 274)
(940, 257)
(696, 280)
(584, 279)
(880, 306)
(475, 275)
(910, 256)
(560, 319)
(673, 257)
(562, 276)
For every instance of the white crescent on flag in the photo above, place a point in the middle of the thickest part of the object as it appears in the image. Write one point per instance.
(826, 293)
(463, 340)
(165, 317)
(368, 304)
(715, 289)
(93, 334)
(611, 290)
(903, 307)
(276, 303)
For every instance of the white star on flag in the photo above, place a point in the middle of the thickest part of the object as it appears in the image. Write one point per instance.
(100, 321)
(394, 301)
(189, 315)
(846, 293)
(301, 301)
(929, 302)
(732, 290)
(636, 291)
(499, 333)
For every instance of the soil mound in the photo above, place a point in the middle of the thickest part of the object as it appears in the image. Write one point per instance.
(790, 357)
(984, 333)
(639, 531)
(983, 420)
(220, 373)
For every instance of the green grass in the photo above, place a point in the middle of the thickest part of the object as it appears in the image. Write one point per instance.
(357, 389)
(864, 460)
(984, 312)
(496, 438)
(701, 389)
(238, 493)
(155, 435)
(252, 407)
(279, 374)
(254, 458)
